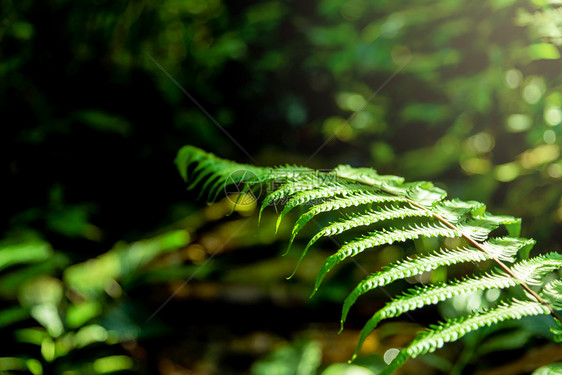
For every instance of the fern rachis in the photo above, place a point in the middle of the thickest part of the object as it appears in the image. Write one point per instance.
(401, 212)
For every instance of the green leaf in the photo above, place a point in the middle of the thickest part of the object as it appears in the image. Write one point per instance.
(34, 251)
(434, 338)
(552, 369)
(546, 51)
(355, 199)
(369, 218)
(343, 369)
(382, 237)
(409, 268)
(552, 292)
(299, 359)
(557, 331)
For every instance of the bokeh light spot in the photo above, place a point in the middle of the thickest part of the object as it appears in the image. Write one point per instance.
(549, 137)
(513, 78)
(476, 165)
(553, 115)
(361, 120)
(555, 170)
(481, 143)
(518, 123)
(350, 101)
(507, 172)
(390, 354)
(539, 155)
(492, 295)
(533, 92)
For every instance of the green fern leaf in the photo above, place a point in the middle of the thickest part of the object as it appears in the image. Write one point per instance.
(383, 237)
(399, 212)
(355, 199)
(422, 296)
(505, 248)
(480, 227)
(454, 329)
(455, 210)
(302, 198)
(553, 293)
(423, 193)
(368, 218)
(288, 189)
(533, 271)
(557, 330)
(409, 268)
(367, 176)
(528, 271)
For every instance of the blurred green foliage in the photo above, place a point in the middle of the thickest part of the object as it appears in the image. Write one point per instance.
(304, 358)
(73, 312)
(467, 94)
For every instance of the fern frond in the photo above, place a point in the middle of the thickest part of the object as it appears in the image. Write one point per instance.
(383, 237)
(367, 176)
(533, 271)
(429, 295)
(288, 189)
(480, 227)
(368, 218)
(357, 220)
(423, 193)
(409, 267)
(217, 171)
(354, 199)
(332, 190)
(454, 329)
(456, 210)
(505, 248)
(552, 292)
(528, 271)
(392, 210)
